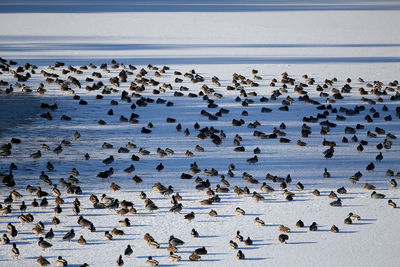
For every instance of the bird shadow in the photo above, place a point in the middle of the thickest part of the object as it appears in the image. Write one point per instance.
(348, 232)
(208, 236)
(256, 259)
(302, 243)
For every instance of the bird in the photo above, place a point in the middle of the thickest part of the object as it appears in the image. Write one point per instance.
(259, 222)
(248, 241)
(299, 223)
(120, 261)
(326, 174)
(233, 245)
(177, 208)
(5, 240)
(194, 233)
(61, 262)
(125, 223)
(370, 167)
(239, 211)
(68, 236)
(128, 251)
(283, 238)
(348, 220)
(201, 251)
(391, 204)
(376, 195)
(42, 261)
(354, 217)
(334, 229)
(174, 257)
(50, 234)
(240, 255)
(151, 262)
(44, 244)
(14, 251)
(107, 235)
(190, 216)
(175, 241)
(81, 240)
(313, 227)
(336, 203)
(238, 237)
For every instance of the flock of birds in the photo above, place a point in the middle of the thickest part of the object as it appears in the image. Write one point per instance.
(101, 81)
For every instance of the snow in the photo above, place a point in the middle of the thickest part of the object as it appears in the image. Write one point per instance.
(322, 40)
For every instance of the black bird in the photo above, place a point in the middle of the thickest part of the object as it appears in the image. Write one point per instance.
(370, 167)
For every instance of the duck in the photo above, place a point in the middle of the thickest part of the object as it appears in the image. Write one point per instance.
(299, 224)
(201, 251)
(83, 222)
(326, 174)
(336, 203)
(177, 208)
(116, 231)
(283, 238)
(114, 187)
(130, 169)
(38, 229)
(248, 241)
(81, 240)
(354, 217)
(171, 248)
(266, 188)
(332, 195)
(284, 229)
(240, 255)
(393, 183)
(313, 226)
(190, 216)
(316, 192)
(194, 257)
(368, 186)
(68, 236)
(348, 220)
(44, 244)
(125, 223)
(175, 241)
(334, 229)
(194, 233)
(391, 204)
(213, 213)
(174, 257)
(153, 244)
(341, 190)
(50, 234)
(108, 236)
(239, 211)
(5, 240)
(257, 197)
(220, 189)
(42, 261)
(376, 195)
(15, 251)
(120, 261)
(151, 262)
(259, 222)
(128, 251)
(239, 237)
(233, 245)
(299, 186)
(55, 221)
(61, 262)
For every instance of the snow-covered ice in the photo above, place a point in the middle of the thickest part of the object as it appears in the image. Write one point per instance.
(322, 39)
